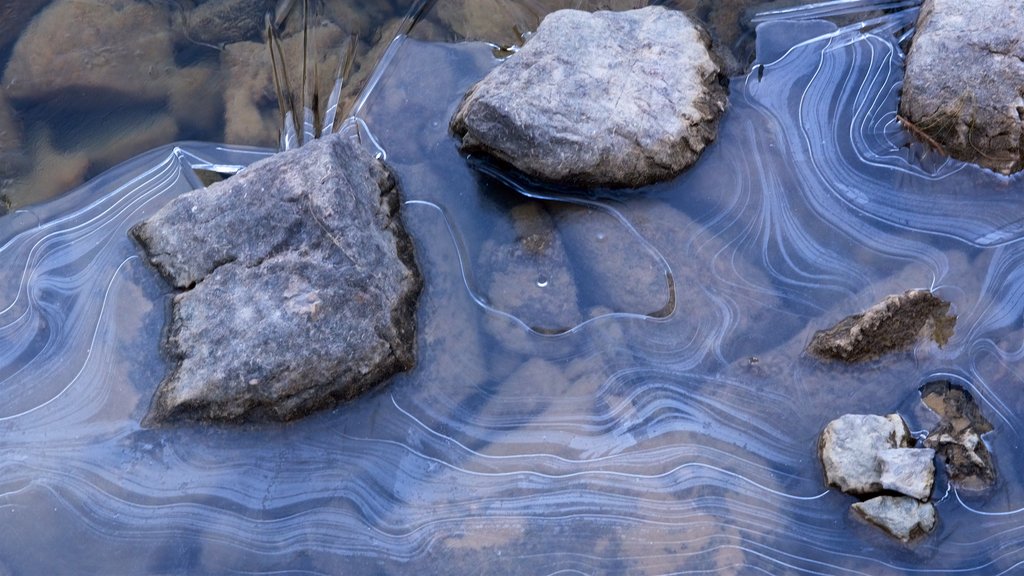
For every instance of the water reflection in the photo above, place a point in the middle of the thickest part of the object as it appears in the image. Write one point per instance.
(669, 427)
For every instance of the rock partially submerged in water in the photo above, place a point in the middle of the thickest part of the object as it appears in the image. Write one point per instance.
(964, 84)
(300, 287)
(894, 324)
(849, 448)
(904, 518)
(957, 436)
(871, 456)
(612, 99)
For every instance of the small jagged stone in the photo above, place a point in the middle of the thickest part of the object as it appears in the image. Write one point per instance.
(849, 448)
(957, 436)
(903, 517)
(909, 471)
(300, 287)
(894, 324)
(617, 99)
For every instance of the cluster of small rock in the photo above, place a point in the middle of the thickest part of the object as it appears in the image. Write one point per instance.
(874, 458)
(871, 456)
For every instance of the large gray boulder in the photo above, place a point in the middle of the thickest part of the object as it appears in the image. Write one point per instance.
(612, 99)
(964, 84)
(299, 282)
(896, 323)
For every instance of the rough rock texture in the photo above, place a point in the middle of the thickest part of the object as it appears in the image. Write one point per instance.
(849, 448)
(957, 436)
(226, 21)
(909, 471)
(114, 49)
(612, 99)
(904, 518)
(300, 286)
(896, 323)
(964, 84)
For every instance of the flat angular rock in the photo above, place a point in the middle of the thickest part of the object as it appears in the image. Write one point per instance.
(849, 448)
(300, 287)
(909, 471)
(613, 99)
(964, 82)
(957, 436)
(894, 324)
(905, 518)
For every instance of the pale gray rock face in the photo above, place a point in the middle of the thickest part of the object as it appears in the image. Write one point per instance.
(904, 518)
(300, 287)
(613, 99)
(909, 471)
(964, 84)
(894, 324)
(849, 449)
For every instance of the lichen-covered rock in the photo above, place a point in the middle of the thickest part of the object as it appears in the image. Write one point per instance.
(101, 50)
(957, 436)
(904, 518)
(909, 471)
(894, 324)
(849, 448)
(612, 99)
(964, 83)
(300, 287)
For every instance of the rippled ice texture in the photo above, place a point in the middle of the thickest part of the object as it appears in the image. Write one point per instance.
(633, 442)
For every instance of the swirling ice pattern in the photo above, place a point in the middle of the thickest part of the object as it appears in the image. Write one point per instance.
(627, 445)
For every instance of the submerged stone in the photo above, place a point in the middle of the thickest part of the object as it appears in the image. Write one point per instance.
(849, 449)
(957, 436)
(614, 99)
(904, 518)
(894, 324)
(964, 81)
(226, 21)
(98, 50)
(530, 277)
(299, 282)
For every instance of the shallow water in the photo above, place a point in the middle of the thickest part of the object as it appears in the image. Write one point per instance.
(667, 428)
